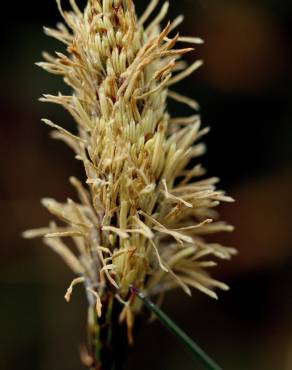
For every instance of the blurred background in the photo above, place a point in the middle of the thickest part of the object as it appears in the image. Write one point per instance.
(244, 90)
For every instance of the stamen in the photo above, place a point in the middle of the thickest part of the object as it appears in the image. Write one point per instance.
(69, 292)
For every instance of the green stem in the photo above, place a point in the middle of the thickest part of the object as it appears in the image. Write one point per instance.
(107, 337)
(170, 325)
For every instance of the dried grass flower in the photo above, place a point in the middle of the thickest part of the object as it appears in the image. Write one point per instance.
(143, 212)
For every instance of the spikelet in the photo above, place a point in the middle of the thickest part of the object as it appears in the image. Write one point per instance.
(143, 214)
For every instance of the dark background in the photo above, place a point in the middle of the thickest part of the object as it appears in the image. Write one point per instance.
(244, 90)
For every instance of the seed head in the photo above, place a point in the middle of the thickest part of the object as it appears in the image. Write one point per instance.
(143, 213)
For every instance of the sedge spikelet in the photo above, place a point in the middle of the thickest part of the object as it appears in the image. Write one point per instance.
(142, 214)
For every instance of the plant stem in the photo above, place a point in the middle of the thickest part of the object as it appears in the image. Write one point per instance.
(108, 338)
(183, 337)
